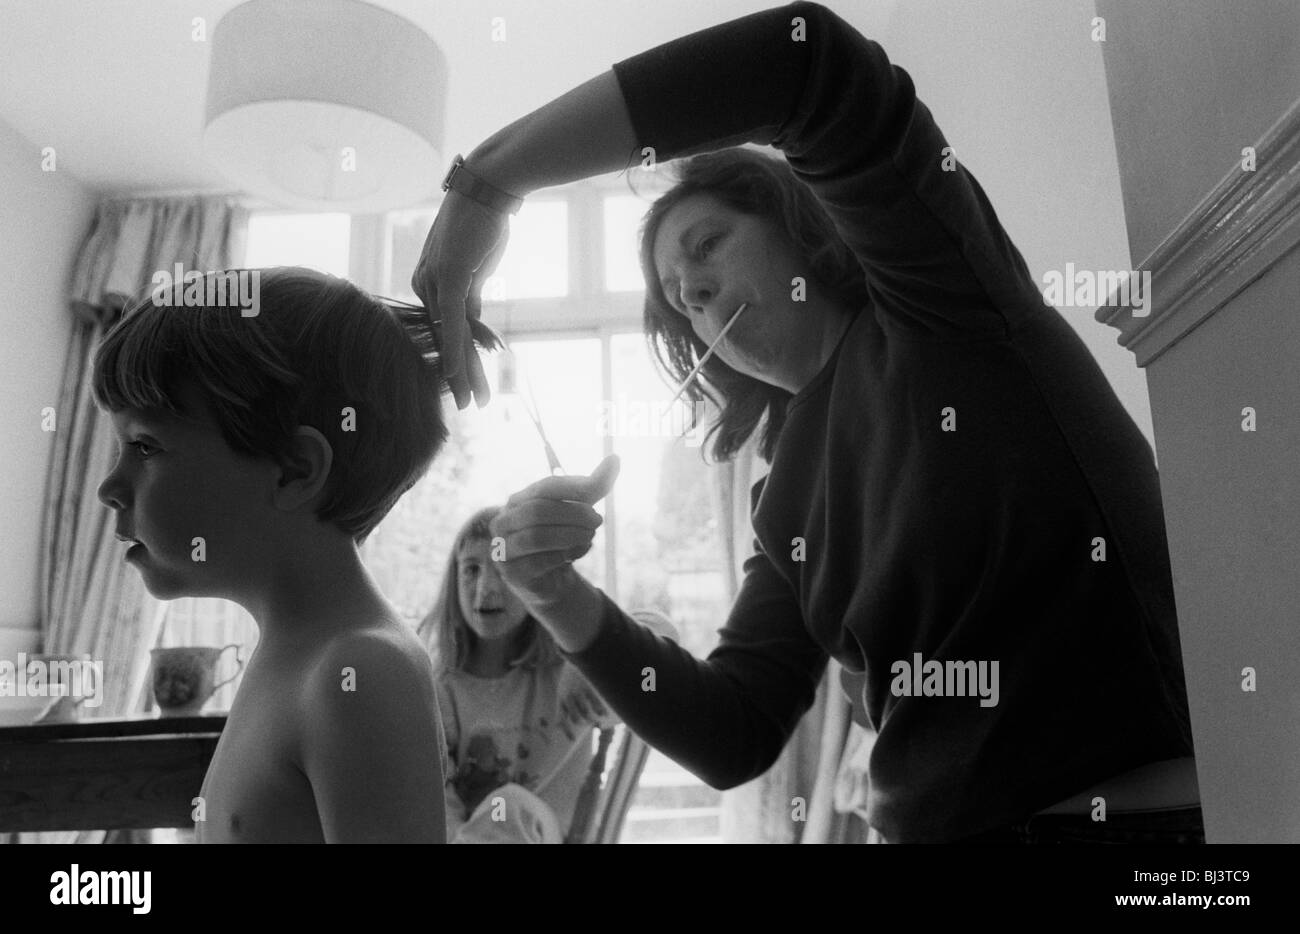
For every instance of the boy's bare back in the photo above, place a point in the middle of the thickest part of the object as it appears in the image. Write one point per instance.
(333, 737)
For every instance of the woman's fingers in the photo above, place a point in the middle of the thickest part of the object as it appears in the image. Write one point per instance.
(453, 335)
(475, 379)
(536, 512)
(573, 554)
(538, 577)
(464, 245)
(589, 489)
(547, 527)
(538, 536)
(474, 375)
(544, 539)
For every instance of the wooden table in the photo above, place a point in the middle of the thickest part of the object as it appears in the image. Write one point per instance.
(106, 774)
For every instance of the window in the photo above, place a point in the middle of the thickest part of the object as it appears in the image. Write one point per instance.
(275, 238)
(320, 241)
(622, 218)
(567, 298)
(536, 261)
(490, 454)
(535, 264)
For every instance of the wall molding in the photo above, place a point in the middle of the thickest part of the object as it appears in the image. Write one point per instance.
(1248, 222)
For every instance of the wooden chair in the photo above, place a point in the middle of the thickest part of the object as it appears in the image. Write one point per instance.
(606, 798)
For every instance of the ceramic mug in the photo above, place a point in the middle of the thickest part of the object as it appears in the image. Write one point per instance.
(65, 707)
(185, 677)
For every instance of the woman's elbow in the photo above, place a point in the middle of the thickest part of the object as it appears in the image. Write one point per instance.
(751, 761)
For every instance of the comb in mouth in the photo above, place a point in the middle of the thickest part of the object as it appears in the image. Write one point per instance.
(708, 353)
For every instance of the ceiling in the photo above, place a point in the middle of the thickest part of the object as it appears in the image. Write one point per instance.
(117, 86)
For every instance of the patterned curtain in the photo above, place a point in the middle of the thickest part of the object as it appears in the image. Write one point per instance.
(91, 601)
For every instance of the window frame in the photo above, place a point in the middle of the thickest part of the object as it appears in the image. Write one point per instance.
(588, 310)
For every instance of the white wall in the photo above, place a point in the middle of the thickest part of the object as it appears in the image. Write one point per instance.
(1192, 84)
(1232, 507)
(43, 218)
(1019, 89)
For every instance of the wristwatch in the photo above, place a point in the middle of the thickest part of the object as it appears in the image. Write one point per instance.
(461, 179)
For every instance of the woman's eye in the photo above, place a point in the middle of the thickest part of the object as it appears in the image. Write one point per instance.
(707, 245)
(144, 448)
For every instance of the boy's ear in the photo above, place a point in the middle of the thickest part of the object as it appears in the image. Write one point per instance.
(306, 468)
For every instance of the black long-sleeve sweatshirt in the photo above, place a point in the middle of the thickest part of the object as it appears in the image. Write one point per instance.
(973, 544)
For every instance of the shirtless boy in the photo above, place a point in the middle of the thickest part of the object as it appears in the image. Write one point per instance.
(256, 454)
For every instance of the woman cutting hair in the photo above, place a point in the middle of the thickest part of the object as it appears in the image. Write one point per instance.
(958, 506)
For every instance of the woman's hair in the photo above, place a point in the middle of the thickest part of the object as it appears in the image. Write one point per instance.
(760, 185)
(317, 351)
(444, 629)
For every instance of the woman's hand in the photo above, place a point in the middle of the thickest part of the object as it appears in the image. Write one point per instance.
(584, 132)
(462, 250)
(545, 528)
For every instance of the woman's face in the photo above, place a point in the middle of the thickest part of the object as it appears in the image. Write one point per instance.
(488, 605)
(711, 258)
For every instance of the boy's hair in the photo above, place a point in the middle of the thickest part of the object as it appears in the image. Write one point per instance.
(317, 346)
(450, 638)
(757, 184)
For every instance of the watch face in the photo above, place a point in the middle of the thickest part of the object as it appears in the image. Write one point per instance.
(455, 167)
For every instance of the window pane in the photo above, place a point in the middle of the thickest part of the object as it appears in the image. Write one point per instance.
(535, 264)
(491, 453)
(670, 556)
(406, 232)
(623, 215)
(536, 261)
(319, 241)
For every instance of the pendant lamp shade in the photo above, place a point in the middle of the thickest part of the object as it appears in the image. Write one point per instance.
(326, 105)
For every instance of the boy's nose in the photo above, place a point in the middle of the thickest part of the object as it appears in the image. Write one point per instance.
(111, 492)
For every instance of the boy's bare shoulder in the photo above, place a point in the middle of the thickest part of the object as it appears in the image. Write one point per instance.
(384, 655)
(382, 638)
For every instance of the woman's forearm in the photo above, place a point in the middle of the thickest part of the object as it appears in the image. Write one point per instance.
(584, 132)
(573, 618)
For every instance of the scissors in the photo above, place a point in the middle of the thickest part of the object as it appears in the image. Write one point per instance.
(535, 416)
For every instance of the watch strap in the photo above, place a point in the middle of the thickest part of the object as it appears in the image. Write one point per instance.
(462, 180)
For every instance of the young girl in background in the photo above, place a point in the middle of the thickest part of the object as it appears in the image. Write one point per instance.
(519, 719)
